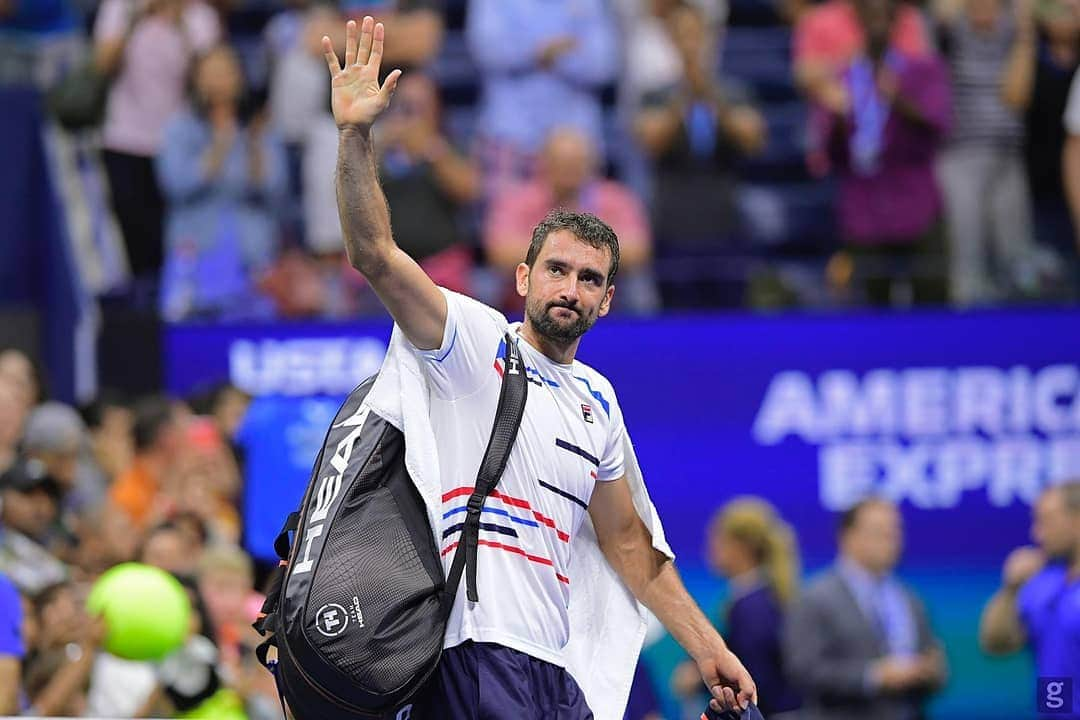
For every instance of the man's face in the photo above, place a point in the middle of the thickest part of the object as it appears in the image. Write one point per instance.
(877, 17)
(416, 99)
(62, 464)
(877, 538)
(29, 512)
(1053, 527)
(168, 550)
(566, 289)
(567, 162)
(13, 413)
(17, 369)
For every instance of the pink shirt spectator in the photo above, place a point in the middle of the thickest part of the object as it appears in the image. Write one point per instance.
(150, 85)
(517, 211)
(830, 33)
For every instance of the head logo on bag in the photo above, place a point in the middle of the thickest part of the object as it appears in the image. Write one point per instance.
(363, 540)
(330, 486)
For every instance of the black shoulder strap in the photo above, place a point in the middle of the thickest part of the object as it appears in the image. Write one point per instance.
(512, 396)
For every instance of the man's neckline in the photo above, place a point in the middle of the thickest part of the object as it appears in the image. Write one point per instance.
(565, 366)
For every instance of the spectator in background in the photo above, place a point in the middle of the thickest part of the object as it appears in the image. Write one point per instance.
(29, 506)
(24, 375)
(568, 178)
(148, 45)
(109, 421)
(1038, 604)
(981, 170)
(427, 183)
(226, 582)
(298, 97)
(59, 666)
(223, 173)
(651, 63)
(169, 546)
(695, 130)
(858, 642)
(56, 435)
(225, 405)
(751, 546)
(418, 23)
(158, 439)
(107, 537)
(285, 30)
(881, 133)
(1071, 175)
(12, 418)
(20, 391)
(205, 482)
(829, 36)
(543, 64)
(1042, 63)
(12, 648)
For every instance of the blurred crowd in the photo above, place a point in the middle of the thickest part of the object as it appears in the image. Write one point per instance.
(748, 153)
(152, 480)
(159, 481)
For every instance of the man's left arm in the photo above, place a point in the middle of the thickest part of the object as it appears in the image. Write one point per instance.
(653, 579)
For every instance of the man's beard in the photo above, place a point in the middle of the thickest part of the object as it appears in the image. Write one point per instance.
(552, 329)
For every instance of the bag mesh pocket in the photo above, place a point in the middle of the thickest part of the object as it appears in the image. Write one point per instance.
(373, 615)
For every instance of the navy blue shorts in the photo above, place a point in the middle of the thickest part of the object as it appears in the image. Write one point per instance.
(483, 681)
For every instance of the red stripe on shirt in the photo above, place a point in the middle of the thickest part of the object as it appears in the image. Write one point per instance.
(517, 551)
(512, 501)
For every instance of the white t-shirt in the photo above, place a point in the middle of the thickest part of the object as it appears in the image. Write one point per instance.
(571, 436)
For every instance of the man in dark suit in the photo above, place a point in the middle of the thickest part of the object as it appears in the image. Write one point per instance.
(858, 642)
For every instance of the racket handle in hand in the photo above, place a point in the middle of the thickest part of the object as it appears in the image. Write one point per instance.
(751, 713)
(711, 714)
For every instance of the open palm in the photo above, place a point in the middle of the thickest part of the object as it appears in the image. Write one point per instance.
(356, 97)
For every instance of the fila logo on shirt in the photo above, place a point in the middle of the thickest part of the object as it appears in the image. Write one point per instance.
(586, 412)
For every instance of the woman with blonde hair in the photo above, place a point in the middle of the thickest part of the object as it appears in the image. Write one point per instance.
(751, 546)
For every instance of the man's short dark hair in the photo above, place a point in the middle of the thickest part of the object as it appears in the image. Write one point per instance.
(586, 227)
(152, 415)
(849, 517)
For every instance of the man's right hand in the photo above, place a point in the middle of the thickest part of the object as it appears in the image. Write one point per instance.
(356, 97)
(1021, 566)
(897, 673)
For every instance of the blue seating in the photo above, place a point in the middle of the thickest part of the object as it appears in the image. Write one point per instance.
(760, 58)
(784, 157)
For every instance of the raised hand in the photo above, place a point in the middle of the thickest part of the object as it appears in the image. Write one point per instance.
(356, 97)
